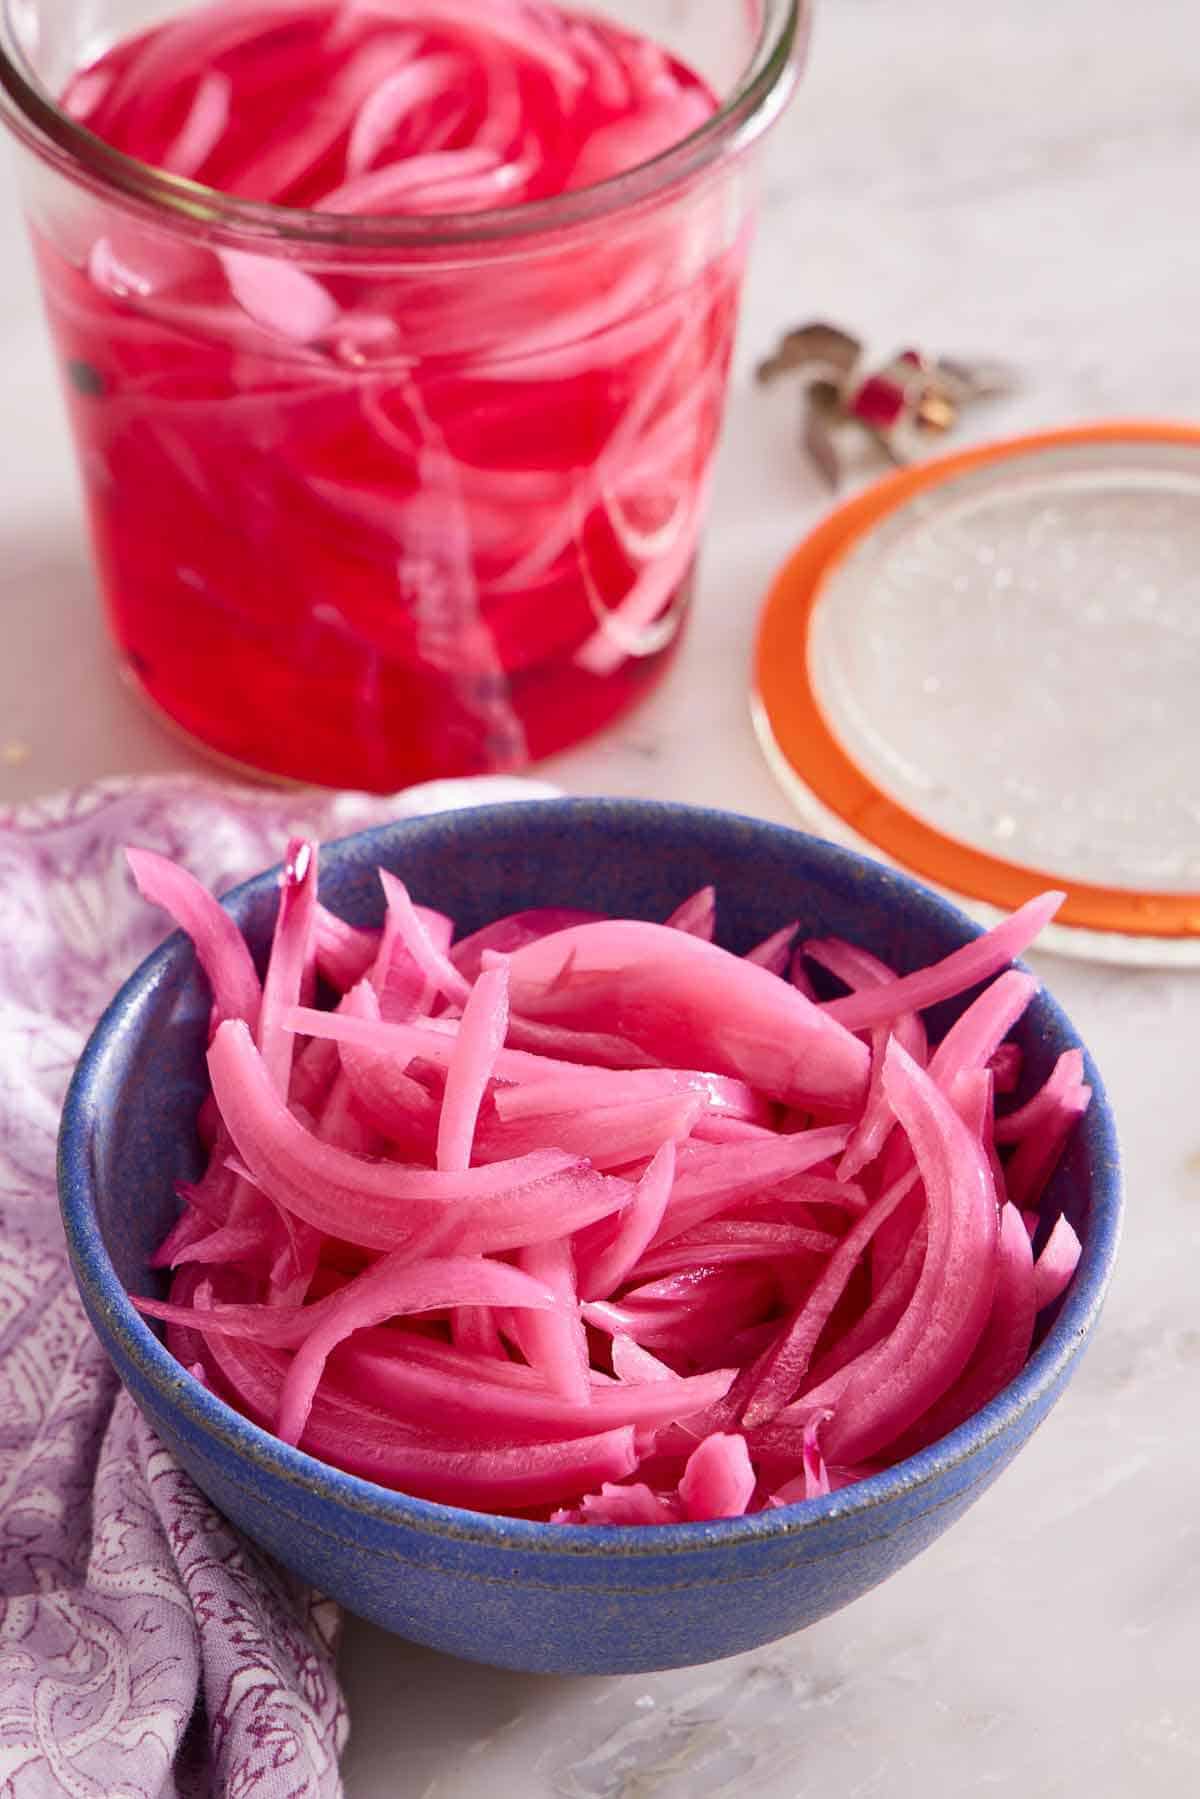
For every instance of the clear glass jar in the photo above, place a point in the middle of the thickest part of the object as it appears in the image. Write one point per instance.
(444, 518)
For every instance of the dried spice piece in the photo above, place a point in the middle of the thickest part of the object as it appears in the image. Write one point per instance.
(911, 398)
(84, 378)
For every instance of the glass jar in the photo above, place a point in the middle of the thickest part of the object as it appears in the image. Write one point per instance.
(379, 498)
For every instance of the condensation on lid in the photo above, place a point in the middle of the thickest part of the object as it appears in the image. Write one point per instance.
(987, 669)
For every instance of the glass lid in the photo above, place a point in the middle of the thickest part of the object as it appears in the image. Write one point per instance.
(987, 670)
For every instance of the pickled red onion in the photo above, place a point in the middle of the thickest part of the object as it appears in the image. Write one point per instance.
(719, 1327)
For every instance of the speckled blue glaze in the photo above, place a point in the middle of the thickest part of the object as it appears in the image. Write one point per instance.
(520, 1595)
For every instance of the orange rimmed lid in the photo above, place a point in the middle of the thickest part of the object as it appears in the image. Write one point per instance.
(987, 669)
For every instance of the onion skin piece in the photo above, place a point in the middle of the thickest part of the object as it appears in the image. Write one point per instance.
(688, 1003)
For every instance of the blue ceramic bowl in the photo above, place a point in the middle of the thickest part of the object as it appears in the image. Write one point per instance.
(521, 1595)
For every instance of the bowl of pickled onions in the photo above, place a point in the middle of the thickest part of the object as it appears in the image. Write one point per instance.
(588, 1235)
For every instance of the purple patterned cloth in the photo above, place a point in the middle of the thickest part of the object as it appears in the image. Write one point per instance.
(145, 1647)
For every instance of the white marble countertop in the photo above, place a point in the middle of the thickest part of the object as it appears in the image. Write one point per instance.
(1019, 180)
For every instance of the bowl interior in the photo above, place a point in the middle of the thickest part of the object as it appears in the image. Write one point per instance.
(128, 1133)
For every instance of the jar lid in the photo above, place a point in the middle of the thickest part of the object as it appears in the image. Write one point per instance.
(986, 669)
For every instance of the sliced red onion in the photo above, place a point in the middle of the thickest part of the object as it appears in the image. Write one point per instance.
(633, 1364)
(292, 961)
(688, 1003)
(962, 969)
(619, 1505)
(711, 1286)
(344, 953)
(556, 1346)
(719, 1479)
(1037, 1155)
(933, 1341)
(387, 1292)
(697, 915)
(202, 129)
(279, 296)
(778, 1375)
(1065, 1078)
(1054, 1268)
(395, 97)
(508, 934)
(1002, 1350)
(382, 1205)
(607, 1087)
(219, 945)
(609, 1136)
(479, 1040)
(376, 1445)
(774, 953)
(710, 1178)
(415, 935)
(390, 1370)
(604, 1271)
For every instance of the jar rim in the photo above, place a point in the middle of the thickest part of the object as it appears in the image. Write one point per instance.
(37, 119)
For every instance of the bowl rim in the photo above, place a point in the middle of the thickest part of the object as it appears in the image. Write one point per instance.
(105, 1296)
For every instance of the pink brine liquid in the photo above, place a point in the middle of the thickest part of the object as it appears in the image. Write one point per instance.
(367, 515)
